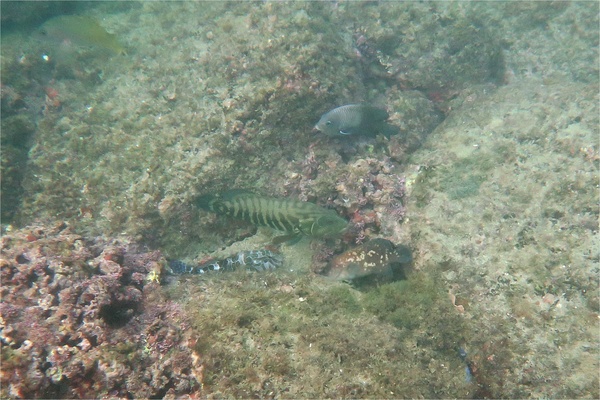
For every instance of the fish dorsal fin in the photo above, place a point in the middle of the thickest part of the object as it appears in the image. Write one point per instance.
(208, 201)
(233, 193)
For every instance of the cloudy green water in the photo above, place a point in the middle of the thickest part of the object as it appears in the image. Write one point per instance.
(498, 113)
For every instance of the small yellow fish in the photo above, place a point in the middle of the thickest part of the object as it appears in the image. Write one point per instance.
(80, 30)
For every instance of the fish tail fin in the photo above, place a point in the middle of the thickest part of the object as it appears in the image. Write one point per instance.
(403, 254)
(389, 130)
(233, 193)
(375, 113)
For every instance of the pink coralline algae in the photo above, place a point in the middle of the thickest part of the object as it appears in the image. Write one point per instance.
(370, 192)
(85, 318)
(373, 195)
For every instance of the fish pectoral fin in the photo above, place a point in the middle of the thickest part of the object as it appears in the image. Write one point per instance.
(291, 238)
(347, 129)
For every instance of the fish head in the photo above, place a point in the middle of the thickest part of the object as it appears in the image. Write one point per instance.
(331, 124)
(344, 271)
(51, 33)
(329, 224)
(342, 121)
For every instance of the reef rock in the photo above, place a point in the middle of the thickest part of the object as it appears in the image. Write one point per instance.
(85, 318)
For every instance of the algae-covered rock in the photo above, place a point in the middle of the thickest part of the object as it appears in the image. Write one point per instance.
(508, 185)
(288, 334)
(429, 46)
(16, 134)
(491, 180)
(81, 318)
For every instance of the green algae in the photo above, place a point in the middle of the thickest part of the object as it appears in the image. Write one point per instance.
(463, 177)
(282, 333)
(419, 303)
(403, 304)
(16, 132)
(341, 298)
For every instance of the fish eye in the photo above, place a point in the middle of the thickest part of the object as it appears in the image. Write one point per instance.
(328, 123)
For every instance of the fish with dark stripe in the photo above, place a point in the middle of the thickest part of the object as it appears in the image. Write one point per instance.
(290, 216)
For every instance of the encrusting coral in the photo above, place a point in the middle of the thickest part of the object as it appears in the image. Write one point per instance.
(85, 318)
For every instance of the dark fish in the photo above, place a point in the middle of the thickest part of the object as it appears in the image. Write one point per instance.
(375, 257)
(356, 119)
(252, 260)
(290, 216)
(468, 370)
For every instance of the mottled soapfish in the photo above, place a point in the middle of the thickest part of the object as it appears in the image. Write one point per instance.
(295, 218)
(375, 257)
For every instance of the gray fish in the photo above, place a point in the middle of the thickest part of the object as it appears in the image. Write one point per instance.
(290, 216)
(356, 119)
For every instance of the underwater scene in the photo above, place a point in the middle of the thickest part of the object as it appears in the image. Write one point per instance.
(328, 199)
